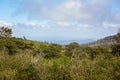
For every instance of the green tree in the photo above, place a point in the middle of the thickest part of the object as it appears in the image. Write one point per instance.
(116, 47)
(52, 51)
(72, 49)
(5, 32)
(117, 37)
(93, 51)
(11, 47)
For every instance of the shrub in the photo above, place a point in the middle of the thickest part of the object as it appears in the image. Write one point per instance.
(72, 49)
(29, 73)
(5, 32)
(116, 49)
(11, 46)
(93, 51)
(52, 51)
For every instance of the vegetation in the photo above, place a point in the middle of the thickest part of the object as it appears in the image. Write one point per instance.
(107, 41)
(116, 47)
(117, 37)
(5, 32)
(22, 59)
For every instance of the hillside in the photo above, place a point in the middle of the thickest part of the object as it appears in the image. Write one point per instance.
(31, 60)
(107, 41)
(22, 59)
(59, 40)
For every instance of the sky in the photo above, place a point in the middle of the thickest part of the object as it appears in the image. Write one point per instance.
(53, 20)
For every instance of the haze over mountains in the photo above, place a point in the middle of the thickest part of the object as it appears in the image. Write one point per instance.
(106, 41)
(81, 41)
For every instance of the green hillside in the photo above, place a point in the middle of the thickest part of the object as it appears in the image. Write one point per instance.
(107, 41)
(22, 59)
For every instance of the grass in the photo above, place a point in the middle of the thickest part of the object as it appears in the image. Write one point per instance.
(28, 67)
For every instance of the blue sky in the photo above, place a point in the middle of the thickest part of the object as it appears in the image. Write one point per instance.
(52, 20)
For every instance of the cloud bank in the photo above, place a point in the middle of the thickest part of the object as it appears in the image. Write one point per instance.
(85, 11)
(65, 18)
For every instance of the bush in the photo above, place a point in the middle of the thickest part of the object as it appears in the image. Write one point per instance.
(72, 49)
(11, 46)
(29, 73)
(15, 45)
(22, 44)
(52, 51)
(116, 49)
(5, 32)
(11, 66)
(59, 73)
(26, 67)
(93, 51)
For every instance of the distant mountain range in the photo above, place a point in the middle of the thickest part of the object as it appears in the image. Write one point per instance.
(83, 41)
(107, 41)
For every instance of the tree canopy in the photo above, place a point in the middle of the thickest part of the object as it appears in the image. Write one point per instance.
(5, 32)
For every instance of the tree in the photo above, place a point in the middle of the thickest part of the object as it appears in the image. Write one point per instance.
(5, 32)
(117, 37)
(72, 49)
(116, 47)
(52, 51)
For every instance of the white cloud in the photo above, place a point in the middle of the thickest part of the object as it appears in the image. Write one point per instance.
(31, 24)
(85, 26)
(71, 10)
(5, 23)
(110, 25)
(66, 10)
(85, 11)
(63, 23)
(66, 17)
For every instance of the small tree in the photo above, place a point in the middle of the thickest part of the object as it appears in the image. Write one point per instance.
(5, 32)
(116, 47)
(117, 37)
(72, 49)
(52, 51)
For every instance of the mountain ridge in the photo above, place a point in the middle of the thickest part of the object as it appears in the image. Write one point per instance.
(106, 41)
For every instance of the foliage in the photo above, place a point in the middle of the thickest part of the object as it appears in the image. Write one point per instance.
(29, 73)
(72, 49)
(32, 60)
(117, 37)
(5, 32)
(116, 49)
(27, 67)
(52, 50)
(11, 47)
(14, 45)
(17, 45)
(98, 50)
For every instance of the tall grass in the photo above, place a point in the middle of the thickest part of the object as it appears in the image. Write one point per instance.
(29, 67)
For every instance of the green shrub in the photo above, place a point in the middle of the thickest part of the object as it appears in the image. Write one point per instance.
(59, 73)
(93, 51)
(116, 49)
(52, 51)
(11, 46)
(10, 66)
(22, 44)
(72, 49)
(29, 73)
